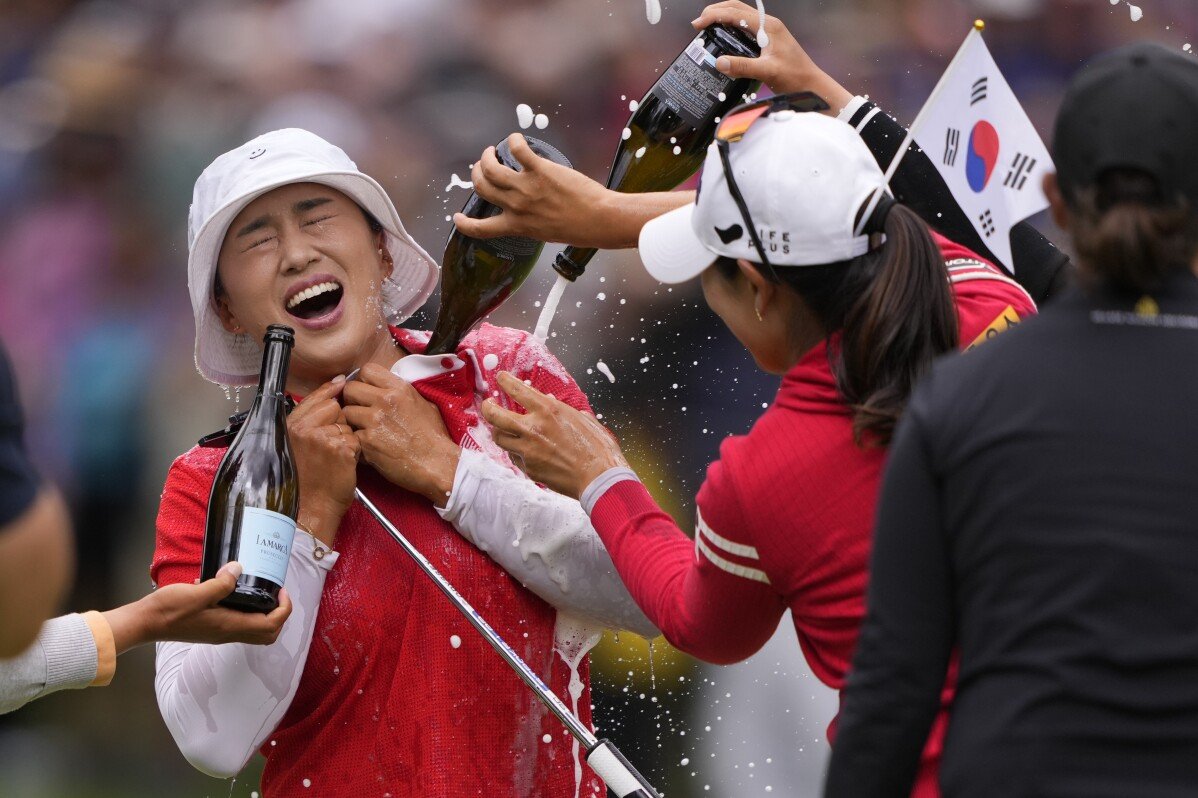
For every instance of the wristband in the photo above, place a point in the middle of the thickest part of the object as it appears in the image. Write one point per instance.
(602, 483)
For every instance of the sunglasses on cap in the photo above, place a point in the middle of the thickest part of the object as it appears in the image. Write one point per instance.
(735, 125)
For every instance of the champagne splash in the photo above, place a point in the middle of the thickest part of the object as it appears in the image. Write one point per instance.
(763, 38)
(605, 371)
(457, 182)
(550, 308)
(653, 11)
(572, 639)
(524, 115)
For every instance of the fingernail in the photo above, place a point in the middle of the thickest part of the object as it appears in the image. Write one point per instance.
(695, 21)
(339, 379)
(723, 64)
(234, 568)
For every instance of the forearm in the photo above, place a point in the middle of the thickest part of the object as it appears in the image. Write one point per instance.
(543, 539)
(221, 702)
(621, 216)
(63, 657)
(700, 608)
(1038, 265)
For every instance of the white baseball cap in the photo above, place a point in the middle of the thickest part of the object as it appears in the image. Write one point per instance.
(804, 178)
(235, 179)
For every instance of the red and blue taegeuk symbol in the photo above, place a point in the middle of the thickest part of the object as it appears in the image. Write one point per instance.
(981, 156)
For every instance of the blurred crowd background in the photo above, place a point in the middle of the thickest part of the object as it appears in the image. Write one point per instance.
(109, 109)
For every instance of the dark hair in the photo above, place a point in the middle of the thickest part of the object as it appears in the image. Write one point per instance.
(1128, 234)
(376, 227)
(894, 311)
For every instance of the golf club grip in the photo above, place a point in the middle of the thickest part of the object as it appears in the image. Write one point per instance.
(617, 772)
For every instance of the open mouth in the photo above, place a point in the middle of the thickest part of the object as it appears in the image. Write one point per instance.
(315, 301)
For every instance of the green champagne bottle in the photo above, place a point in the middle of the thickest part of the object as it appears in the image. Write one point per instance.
(478, 275)
(666, 138)
(255, 499)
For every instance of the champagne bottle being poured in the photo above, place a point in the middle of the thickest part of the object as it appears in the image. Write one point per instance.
(254, 501)
(478, 275)
(667, 136)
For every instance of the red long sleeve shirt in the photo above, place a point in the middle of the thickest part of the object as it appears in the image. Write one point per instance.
(387, 705)
(784, 518)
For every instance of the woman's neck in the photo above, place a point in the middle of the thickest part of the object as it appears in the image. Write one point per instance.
(382, 350)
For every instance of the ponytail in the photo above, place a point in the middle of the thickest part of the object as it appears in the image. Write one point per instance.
(895, 313)
(1130, 237)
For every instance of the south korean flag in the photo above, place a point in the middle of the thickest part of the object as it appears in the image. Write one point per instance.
(982, 142)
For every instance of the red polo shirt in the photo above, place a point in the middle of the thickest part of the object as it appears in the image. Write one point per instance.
(784, 518)
(386, 705)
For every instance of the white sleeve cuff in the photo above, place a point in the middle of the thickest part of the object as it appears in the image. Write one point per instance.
(846, 113)
(465, 485)
(602, 483)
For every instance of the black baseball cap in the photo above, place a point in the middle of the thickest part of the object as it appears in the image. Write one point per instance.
(1137, 108)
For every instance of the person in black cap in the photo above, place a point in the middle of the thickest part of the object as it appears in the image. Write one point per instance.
(1038, 516)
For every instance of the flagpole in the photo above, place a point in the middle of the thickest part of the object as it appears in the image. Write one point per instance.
(978, 27)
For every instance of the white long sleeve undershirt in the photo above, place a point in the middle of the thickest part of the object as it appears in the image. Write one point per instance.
(222, 702)
(542, 538)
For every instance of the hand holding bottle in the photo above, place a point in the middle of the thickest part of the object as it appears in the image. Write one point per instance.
(401, 433)
(783, 65)
(553, 443)
(326, 455)
(545, 201)
(550, 202)
(190, 614)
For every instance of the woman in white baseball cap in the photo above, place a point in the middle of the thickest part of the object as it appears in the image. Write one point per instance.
(376, 685)
(844, 293)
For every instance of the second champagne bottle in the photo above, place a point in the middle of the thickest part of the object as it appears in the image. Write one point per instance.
(667, 136)
(478, 275)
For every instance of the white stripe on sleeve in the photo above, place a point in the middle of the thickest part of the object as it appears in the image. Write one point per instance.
(727, 565)
(708, 541)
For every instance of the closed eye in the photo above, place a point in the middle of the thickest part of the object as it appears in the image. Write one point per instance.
(321, 219)
(259, 243)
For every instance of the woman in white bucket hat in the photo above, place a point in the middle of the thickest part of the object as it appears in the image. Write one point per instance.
(376, 685)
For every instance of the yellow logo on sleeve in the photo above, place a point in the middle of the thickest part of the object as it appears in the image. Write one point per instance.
(1005, 321)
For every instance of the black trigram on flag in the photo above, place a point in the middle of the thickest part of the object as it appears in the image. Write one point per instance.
(952, 144)
(981, 88)
(1021, 167)
(987, 221)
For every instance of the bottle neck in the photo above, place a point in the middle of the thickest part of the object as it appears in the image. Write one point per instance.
(273, 379)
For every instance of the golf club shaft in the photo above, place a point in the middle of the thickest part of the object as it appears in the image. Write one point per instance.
(559, 709)
(621, 778)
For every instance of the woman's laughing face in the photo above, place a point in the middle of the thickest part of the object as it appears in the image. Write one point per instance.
(304, 255)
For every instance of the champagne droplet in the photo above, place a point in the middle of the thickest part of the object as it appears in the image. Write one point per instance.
(763, 38)
(541, 121)
(524, 115)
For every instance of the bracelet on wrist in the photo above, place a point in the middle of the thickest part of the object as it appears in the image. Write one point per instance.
(319, 551)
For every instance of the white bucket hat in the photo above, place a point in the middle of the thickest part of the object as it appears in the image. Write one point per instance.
(804, 178)
(239, 176)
